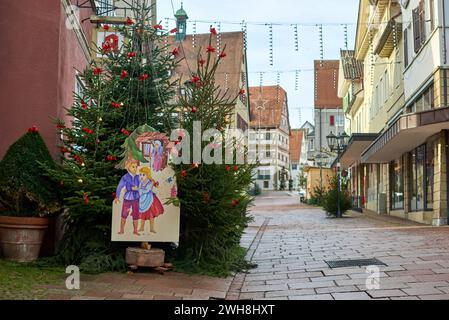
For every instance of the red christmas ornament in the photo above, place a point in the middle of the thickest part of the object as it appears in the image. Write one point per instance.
(129, 21)
(124, 74)
(85, 198)
(111, 158)
(131, 55)
(83, 105)
(236, 168)
(196, 79)
(125, 132)
(234, 203)
(78, 159)
(174, 30)
(183, 173)
(222, 55)
(242, 92)
(206, 197)
(213, 31)
(63, 150)
(202, 62)
(88, 130)
(157, 27)
(60, 126)
(228, 168)
(175, 52)
(143, 77)
(210, 49)
(106, 27)
(116, 105)
(194, 110)
(97, 71)
(33, 129)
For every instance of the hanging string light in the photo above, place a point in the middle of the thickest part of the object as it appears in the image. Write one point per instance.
(226, 81)
(395, 35)
(345, 29)
(194, 34)
(218, 38)
(167, 27)
(299, 115)
(371, 57)
(296, 80)
(295, 32)
(245, 32)
(261, 80)
(270, 43)
(320, 30)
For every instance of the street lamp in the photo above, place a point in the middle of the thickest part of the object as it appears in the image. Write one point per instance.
(338, 144)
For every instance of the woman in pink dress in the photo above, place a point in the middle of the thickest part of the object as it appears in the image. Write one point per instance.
(150, 205)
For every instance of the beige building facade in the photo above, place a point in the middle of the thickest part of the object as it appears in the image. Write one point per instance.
(398, 146)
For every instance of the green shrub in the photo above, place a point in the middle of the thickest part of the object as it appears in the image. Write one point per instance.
(333, 196)
(24, 189)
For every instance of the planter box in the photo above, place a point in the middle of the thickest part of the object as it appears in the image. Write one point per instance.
(21, 237)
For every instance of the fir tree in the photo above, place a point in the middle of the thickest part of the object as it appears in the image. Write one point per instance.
(213, 197)
(128, 87)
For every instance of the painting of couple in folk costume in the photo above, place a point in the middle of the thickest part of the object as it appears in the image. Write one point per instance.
(140, 212)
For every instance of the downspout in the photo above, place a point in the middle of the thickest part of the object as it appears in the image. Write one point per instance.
(444, 33)
(446, 149)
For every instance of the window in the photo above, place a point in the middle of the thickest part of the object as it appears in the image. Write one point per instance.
(397, 184)
(331, 121)
(386, 86)
(424, 102)
(267, 154)
(430, 162)
(416, 169)
(381, 94)
(266, 184)
(340, 120)
(267, 136)
(397, 71)
(294, 167)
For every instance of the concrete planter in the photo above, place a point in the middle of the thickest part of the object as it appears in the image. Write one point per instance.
(21, 237)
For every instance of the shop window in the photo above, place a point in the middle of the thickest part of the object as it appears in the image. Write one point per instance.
(421, 178)
(397, 184)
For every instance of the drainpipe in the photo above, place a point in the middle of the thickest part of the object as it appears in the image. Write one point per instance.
(446, 149)
(444, 32)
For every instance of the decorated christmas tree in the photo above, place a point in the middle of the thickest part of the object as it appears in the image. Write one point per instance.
(129, 86)
(213, 196)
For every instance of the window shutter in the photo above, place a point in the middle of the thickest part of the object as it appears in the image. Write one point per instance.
(422, 23)
(405, 47)
(416, 30)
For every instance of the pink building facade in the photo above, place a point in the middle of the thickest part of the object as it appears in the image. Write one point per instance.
(42, 45)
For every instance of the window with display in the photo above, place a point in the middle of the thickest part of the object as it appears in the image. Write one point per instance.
(397, 184)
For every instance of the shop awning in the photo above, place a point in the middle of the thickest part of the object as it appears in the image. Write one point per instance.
(358, 142)
(405, 134)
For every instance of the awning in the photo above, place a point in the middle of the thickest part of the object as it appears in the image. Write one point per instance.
(358, 142)
(405, 134)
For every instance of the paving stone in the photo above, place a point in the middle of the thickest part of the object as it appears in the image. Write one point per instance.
(386, 293)
(288, 293)
(312, 297)
(435, 297)
(336, 289)
(351, 296)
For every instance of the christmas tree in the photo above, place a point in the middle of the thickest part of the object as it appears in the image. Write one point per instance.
(213, 197)
(129, 86)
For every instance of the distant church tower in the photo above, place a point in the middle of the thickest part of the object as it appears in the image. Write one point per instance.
(181, 24)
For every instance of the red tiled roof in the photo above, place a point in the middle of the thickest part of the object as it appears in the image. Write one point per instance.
(266, 105)
(296, 136)
(229, 72)
(326, 84)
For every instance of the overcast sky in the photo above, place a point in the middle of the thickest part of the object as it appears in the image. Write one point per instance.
(331, 13)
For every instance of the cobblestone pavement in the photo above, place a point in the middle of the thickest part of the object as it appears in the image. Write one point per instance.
(290, 243)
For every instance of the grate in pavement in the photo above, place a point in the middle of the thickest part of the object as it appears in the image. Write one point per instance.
(354, 263)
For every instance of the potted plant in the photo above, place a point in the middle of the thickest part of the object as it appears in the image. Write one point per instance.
(27, 197)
